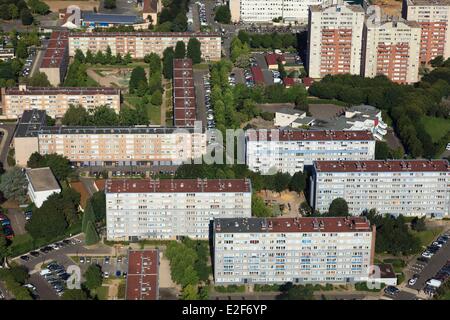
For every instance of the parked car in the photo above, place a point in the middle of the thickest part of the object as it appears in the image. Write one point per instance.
(391, 290)
(34, 254)
(25, 258)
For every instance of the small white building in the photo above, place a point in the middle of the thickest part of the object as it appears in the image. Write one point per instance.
(41, 184)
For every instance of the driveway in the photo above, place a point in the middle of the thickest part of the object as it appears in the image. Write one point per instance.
(7, 131)
(200, 95)
(17, 221)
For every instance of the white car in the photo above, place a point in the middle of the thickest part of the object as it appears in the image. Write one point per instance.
(412, 281)
(427, 254)
(29, 286)
(54, 246)
(437, 244)
(106, 274)
(448, 146)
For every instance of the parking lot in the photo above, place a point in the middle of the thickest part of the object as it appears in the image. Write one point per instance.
(29, 62)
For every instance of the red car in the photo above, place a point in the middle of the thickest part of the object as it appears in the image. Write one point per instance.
(8, 232)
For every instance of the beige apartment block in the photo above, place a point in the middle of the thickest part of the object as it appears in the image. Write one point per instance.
(108, 146)
(56, 101)
(139, 44)
(391, 47)
(335, 39)
(433, 17)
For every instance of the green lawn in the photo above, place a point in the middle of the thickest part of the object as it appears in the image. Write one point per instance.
(436, 127)
(427, 236)
(154, 114)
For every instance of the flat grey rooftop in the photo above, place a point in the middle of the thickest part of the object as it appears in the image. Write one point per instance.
(42, 179)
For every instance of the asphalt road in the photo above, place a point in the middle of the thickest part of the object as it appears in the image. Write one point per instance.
(8, 133)
(434, 264)
(200, 95)
(18, 221)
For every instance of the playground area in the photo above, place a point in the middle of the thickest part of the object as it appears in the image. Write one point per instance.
(107, 77)
(284, 204)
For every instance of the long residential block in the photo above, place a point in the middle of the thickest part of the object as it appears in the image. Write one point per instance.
(56, 58)
(407, 187)
(297, 250)
(184, 106)
(139, 44)
(167, 209)
(56, 101)
(107, 146)
(290, 150)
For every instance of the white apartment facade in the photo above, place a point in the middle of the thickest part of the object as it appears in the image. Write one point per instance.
(391, 47)
(167, 209)
(433, 17)
(297, 250)
(269, 151)
(335, 39)
(107, 146)
(264, 11)
(407, 187)
(139, 44)
(56, 101)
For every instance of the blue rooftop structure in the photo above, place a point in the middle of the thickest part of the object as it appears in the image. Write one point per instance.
(100, 19)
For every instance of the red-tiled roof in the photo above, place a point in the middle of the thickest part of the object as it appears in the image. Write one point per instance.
(183, 93)
(142, 277)
(300, 224)
(258, 76)
(383, 165)
(272, 58)
(307, 135)
(177, 185)
(56, 50)
(150, 6)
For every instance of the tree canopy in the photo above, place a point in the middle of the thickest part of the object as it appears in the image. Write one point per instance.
(338, 207)
(60, 165)
(180, 50)
(194, 51)
(223, 14)
(13, 184)
(93, 276)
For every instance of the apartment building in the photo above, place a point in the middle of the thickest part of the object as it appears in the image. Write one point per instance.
(291, 11)
(269, 151)
(297, 250)
(56, 101)
(433, 17)
(107, 146)
(56, 58)
(167, 209)
(139, 44)
(391, 47)
(184, 105)
(407, 187)
(335, 39)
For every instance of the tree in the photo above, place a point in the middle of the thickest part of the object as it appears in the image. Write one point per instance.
(108, 55)
(79, 55)
(382, 151)
(180, 50)
(156, 98)
(298, 182)
(75, 116)
(47, 222)
(89, 57)
(154, 62)
(88, 216)
(14, 11)
(98, 202)
(100, 58)
(39, 79)
(281, 181)
(338, 207)
(5, 14)
(38, 7)
(223, 14)
(189, 292)
(259, 208)
(21, 50)
(437, 62)
(26, 17)
(14, 184)
(194, 50)
(138, 77)
(93, 277)
(418, 224)
(19, 274)
(104, 116)
(109, 4)
(168, 55)
(299, 293)
(59, 164)
(92, 236)
(74, 294)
